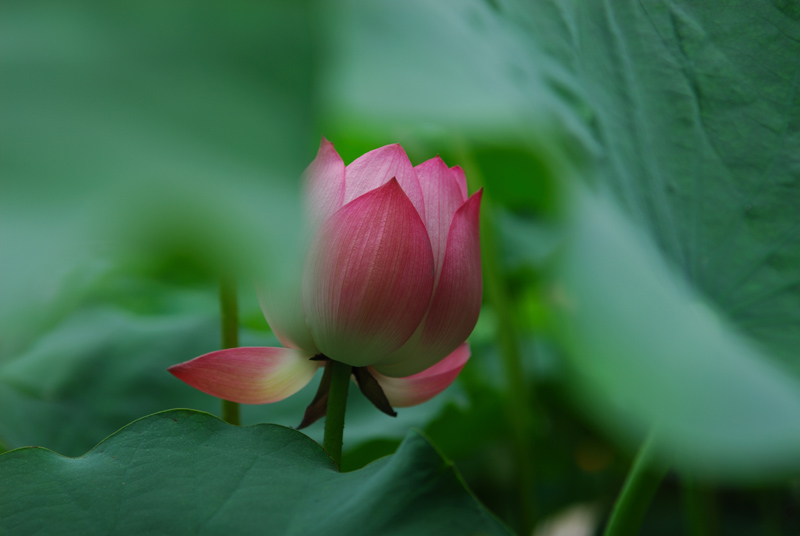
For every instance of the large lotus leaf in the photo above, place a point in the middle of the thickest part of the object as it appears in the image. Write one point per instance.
(186, 472)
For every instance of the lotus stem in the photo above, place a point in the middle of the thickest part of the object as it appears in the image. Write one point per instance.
(698, 508)
(337, 402)
(637, 493)
(520, 397)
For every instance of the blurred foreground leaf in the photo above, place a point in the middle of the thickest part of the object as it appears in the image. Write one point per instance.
(694, 328)
(681, 293)
(140, 129)
(649, 351)
(415, 70)
(191, 473)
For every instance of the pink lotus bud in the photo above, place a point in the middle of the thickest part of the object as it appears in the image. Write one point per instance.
(391, 279)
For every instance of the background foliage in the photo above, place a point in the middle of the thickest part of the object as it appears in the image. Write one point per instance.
(640, 238)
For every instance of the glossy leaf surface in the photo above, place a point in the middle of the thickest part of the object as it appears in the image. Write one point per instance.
(191, 473)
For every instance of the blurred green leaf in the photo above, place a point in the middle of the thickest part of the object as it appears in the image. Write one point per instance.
(140, 129)
(701, 129)
(648, 350)
(97, 371)
(417, 70)
(192, 473)
(689, 131)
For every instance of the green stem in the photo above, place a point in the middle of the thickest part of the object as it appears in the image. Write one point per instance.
(229, 325)
(519, 399)
(337, 402)
(230, 412)
(770, 504)
(697, 508)
(640, 487)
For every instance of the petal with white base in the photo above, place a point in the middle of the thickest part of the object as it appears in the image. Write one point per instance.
(254, 375)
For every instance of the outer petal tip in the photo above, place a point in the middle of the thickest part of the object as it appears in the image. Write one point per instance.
(443, 197)
(373, 169)
(421, 387)
(477, 195)
(248, 375)
(461, 179)
(325, 182)
(470, 212)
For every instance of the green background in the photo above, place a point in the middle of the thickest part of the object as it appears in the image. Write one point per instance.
(640, 235)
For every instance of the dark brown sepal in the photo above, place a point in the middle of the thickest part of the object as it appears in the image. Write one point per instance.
(373, 391)
(319, 405)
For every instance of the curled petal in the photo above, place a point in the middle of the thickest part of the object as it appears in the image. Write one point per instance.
(461, 179)
(324, 183)
(421, 387)
(248, 375)
(368, 278)
(442, 197)
(456, 302)
(376, 168)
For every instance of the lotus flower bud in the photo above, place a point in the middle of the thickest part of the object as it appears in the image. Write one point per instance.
(391, 280)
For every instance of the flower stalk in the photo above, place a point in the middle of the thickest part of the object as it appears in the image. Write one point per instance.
(520, 401)
(337, 403)
(637, 493)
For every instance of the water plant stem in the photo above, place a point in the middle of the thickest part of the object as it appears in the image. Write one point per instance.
(229, 326)
(519, 400)
(637, 493)
(337, 402)
(698, 508)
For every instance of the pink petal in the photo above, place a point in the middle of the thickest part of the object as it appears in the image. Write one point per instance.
(461, 179)
(248, 375)
(456, 302)
(442, 197)
(368, 278)
(324, 183)
(281, 301)
(376, 168)
(421, 387)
